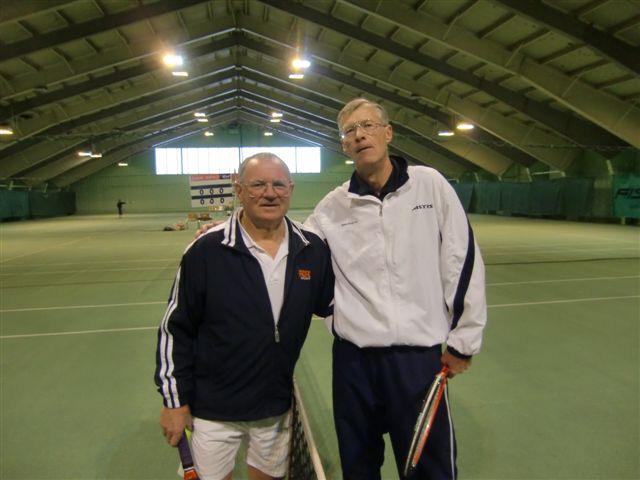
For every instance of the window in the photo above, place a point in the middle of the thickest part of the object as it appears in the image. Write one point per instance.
(192, 161)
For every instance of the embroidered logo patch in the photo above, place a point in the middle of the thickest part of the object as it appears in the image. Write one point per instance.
(304, 274)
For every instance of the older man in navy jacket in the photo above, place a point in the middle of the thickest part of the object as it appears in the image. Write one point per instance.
(239, 312)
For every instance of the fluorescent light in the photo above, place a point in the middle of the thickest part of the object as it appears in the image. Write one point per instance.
(274, 120)
(446, 133)
(296, 76)
(268, 134)
(199, 114)
(180, 74)
(203, 120)
(300, 63)
(123, 164)
(465, 126)
(172, 60)
(208, 134)
(89, 154)
(348, 162)
(276, 115)
(6, 130)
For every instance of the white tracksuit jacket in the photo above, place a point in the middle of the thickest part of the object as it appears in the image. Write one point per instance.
(408, 270)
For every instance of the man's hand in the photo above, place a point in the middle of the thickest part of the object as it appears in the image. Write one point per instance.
(206, 226)
(456, 365)
(173, 422)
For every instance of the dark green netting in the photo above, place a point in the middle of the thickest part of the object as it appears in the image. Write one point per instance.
(576, 196)
(51, 204)
(487, 196)
(14, 204)
(515, 198)
(464, 191)
(546, 198)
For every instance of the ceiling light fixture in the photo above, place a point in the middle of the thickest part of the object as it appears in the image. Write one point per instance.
(348, 162)
(6, 130)
(199, 115)
(180, 74)
(172, 60)
(296, 76)
(446, 133)
(208, 134)
(268, 134)
(274, 120)
(123, 164)
(85, 153)
(300, 63)
(203, 120)
(465, 126)
(276, 115)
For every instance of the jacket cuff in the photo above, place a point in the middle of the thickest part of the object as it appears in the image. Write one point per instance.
(456, 353)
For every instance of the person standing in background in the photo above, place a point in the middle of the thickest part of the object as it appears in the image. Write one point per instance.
(119, 205)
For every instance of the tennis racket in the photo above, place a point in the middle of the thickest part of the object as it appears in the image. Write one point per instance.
(425, 420)
(186, 460)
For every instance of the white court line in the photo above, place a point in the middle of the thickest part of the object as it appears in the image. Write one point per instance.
(564, 251)
(71, 307)
(45, 249)
(80, 332)
(91, 262)
(572, 300)
(585, 279)
(58, 272)
(561, 246)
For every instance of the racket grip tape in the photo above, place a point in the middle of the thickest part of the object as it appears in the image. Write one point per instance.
(186, 459)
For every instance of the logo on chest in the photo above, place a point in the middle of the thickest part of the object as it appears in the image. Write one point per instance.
(422, 207)
(304, 274)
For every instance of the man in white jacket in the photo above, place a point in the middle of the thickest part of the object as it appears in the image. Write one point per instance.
(409, 298)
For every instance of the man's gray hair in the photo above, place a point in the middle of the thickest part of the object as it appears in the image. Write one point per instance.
(262, 156)
(355, 104)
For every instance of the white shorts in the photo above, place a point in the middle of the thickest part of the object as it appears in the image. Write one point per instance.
(215, 445)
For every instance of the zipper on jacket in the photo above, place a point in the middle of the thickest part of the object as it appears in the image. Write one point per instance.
(277, 335)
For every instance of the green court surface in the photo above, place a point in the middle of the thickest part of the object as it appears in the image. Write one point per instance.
(553, 395)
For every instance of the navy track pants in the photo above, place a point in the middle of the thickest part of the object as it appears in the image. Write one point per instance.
(378, 390)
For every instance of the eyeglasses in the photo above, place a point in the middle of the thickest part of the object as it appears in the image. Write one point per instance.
(367, 126)
(259, 187)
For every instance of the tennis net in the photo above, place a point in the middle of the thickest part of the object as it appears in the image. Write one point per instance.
(304, 461)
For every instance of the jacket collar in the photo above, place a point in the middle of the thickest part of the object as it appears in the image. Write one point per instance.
(233, 238)
(398, 177)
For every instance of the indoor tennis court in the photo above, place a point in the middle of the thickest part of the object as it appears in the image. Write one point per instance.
(554, 394)
(123, 125)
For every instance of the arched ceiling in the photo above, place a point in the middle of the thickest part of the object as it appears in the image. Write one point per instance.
(541, 80)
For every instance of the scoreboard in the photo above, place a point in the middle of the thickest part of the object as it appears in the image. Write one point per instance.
(212, 190)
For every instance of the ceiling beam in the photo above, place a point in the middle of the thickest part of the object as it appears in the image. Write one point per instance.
(109, 147)
(89, 168)
(478, 154)
(47, 146)
(51, 125)
(16, 10)
(613, 49)
(298, 101)
(140, 129)
(112, 57)
(146, 65)
(607, 112)
(506, 130)
(79, 31)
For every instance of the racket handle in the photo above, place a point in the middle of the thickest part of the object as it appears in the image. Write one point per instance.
(186, 459)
